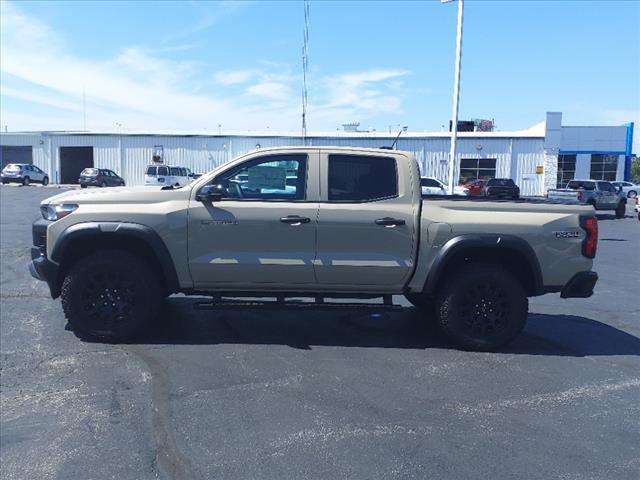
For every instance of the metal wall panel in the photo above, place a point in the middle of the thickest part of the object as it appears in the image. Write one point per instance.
(129, 155)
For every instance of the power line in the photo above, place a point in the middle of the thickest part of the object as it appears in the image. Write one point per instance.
(305, 63)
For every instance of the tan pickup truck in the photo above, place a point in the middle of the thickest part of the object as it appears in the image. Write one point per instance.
(317, 223)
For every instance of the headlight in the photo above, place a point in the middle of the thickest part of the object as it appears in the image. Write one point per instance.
(56, 212)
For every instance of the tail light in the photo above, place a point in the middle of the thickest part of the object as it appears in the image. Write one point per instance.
(580, 195)
(590, 243)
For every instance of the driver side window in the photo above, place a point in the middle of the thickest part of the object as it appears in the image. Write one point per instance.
(272, 177)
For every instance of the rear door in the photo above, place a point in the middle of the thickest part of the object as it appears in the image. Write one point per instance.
(366, 219)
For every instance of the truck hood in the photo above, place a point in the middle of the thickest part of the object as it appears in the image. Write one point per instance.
(147, 194)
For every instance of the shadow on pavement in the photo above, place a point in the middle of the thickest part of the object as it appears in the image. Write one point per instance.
(561, 335)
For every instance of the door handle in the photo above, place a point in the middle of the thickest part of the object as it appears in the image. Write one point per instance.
(294, 219)
(389, 222)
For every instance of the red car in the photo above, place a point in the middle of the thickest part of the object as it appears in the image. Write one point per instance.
(475, 187)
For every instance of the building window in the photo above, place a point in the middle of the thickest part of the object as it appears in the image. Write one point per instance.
(566, 169)
(477, 168)
(604, 167)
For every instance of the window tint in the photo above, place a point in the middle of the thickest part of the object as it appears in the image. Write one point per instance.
(605, 187)
(357, 178)
(175, 171)
(577, 184)
(500, 182)
(273, 177)
(151, 170)
(429, 182)
(163, 171)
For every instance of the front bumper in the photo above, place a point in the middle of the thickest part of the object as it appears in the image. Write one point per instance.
(580, 286)
(44, 269)
(40, 266)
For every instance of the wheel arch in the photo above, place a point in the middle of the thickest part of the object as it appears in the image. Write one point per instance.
(81, 239)
(508, 251)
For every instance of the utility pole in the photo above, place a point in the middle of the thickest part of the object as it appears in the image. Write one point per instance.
(305, 59)
(456, 97)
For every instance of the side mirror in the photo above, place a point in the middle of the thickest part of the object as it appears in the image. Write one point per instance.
(211, 193)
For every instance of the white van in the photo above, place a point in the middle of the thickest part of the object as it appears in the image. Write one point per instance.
(163, 175)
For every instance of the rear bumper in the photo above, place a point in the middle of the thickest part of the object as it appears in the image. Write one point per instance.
(12, 179)
(580, 286)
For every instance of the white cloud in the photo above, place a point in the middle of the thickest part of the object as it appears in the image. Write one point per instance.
(279, 92)
(234, 77)
(144, 91)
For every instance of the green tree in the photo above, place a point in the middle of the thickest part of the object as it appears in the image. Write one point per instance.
(635, 169)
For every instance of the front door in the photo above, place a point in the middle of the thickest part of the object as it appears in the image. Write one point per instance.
(263, 231)
(366, 222)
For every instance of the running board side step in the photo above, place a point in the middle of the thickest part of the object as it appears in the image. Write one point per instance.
(314, 303)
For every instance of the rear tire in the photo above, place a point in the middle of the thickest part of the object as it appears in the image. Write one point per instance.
(45, 181)
(103, 184)
(111, 296)
(83, 185)
(482, 308)
(26, 181)
(621, 209)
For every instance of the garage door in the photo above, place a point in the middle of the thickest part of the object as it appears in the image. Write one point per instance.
(10, 154)
(72, 161)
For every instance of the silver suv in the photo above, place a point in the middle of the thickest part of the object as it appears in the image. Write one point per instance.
(23, 173)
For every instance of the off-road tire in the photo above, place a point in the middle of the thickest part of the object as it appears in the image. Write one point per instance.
(621, 209)
(45, 181)
(26, 181)
(115, 277)
(482, 307)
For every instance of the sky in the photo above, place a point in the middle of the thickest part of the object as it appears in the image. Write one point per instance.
(236, 66)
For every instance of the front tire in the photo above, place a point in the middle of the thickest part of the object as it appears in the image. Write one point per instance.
(45, 181)
(111, 296)
(103, 184)
(621, 210)
(632, 194)
(26, 181)
(482, 308)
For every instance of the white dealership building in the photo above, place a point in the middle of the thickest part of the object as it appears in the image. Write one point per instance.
(537, 159)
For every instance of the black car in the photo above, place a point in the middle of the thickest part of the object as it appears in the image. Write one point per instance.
(100, 177)
(501, 188)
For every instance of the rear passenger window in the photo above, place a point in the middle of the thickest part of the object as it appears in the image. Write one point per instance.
(163, 171)
(359, 178)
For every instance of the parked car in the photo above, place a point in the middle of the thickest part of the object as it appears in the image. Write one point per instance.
(599, 194)
(631, 190)
(501, 188)
(433, 186)
(358, 228)
(474, 187)
(191, 174)
(166, 175)
(100, 177)
(23, 173)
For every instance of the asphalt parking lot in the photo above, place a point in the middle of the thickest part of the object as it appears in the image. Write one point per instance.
(295, 395)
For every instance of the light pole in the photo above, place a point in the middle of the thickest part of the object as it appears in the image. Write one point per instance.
(456, 96)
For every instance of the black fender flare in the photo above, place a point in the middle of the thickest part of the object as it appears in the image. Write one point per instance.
(89, 230)
(460, 243)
